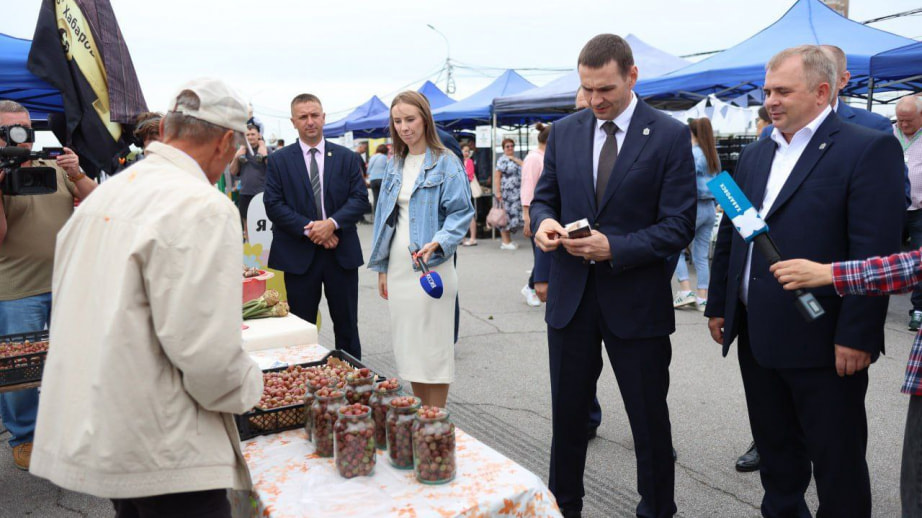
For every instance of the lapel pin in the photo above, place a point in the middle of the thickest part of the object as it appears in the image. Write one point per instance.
(646, 131)
(822, 146)
(329, 153)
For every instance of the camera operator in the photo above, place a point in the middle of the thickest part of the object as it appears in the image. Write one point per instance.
(249, 165)
(28, 226)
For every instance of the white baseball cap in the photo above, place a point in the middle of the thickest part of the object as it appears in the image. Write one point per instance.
(219, 104)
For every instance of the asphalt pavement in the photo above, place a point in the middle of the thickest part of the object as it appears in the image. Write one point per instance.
(502, 397)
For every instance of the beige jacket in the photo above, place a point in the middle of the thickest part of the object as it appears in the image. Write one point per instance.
(146, 361)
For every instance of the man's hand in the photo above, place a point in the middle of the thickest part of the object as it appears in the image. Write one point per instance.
(801, 273)
(716, 327)
(320, 231)
(382, 285)
(240, 152)
(548, 235)
(850, 361)
(592, 248)
(541, 291)
(69, 162)
(527, 229)
(331, 243)
(426, 252)
(2, 176)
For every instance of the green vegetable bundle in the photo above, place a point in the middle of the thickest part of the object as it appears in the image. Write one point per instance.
(267, 305)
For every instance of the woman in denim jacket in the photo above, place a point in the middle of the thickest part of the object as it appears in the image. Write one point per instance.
(425, 201)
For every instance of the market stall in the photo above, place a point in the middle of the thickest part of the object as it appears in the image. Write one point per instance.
(291, 480)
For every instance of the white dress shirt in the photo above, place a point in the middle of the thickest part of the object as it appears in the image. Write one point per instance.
(622, 121)
(786, 156)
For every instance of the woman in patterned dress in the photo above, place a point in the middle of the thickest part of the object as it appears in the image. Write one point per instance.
(508, 176)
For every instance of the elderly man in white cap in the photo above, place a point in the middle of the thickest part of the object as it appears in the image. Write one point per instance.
(146, 363)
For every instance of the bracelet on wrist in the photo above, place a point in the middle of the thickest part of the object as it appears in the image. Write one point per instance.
(74, 178)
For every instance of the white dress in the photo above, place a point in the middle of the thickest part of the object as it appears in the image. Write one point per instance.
(423, 328)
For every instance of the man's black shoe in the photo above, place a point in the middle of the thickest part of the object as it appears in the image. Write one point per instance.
(749, 461)
(675, 456)
(591, 433)
(571, 513)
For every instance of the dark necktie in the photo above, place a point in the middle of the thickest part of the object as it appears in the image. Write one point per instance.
(315, 183)
(606, 160)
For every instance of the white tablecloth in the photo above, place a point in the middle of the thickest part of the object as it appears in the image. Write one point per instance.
(291, 481)
(271, 333)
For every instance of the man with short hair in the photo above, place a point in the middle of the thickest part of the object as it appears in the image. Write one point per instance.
(830, 191)
(628, 170)
(28, 226)
(750, 460)
(138, 401)
(315, 195)
(249, 165)
(908, 130)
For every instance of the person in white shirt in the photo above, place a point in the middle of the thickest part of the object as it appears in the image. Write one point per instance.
(137, 400)
(829, 191)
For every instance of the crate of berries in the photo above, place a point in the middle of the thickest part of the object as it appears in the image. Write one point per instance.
(22, 357)
(281, 406)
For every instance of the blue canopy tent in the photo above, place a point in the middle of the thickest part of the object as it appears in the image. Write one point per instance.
(477, 109)
(741, 69)
(437, 98)
(20, 85)
(897, 69)
(367, 109)
(557, 97)
(376, 126)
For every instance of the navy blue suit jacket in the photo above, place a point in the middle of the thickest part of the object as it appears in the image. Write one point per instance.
(290, 206)
(842, 201)
(647, 213)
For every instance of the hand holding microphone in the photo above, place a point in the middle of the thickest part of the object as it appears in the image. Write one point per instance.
(430, 281)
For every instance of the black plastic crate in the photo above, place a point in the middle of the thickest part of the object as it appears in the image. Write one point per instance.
(265, 422)
(24, 368)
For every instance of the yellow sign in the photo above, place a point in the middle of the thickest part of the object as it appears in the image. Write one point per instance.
(80, 47)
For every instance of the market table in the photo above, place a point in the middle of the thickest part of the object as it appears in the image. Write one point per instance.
(290, 480)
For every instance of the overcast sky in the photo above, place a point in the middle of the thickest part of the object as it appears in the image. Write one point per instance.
(346, 51)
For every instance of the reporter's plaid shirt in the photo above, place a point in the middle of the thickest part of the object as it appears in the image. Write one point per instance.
(898, 273)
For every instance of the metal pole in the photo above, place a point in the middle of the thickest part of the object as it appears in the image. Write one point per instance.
(493, 168)
(870, 92)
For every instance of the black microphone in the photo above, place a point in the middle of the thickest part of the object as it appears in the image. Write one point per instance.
(753, 229)
(807, 304)
(429, 280)
(15, 152)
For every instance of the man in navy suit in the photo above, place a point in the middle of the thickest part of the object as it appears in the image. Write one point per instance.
(830, 191)
(749, 461)
(627, 169)
(315, 194)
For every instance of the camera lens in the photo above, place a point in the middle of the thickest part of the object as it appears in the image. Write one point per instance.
(18, 135)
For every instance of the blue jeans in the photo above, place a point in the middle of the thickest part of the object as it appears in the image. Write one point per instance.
(704, 226)
(19, 409)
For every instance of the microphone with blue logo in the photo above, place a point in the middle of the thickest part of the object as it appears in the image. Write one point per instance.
(429, 280)
(753, 229)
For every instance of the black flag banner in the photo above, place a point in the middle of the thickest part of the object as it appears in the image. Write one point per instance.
(78, 48)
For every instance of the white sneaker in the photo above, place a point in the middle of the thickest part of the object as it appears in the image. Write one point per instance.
(508, 246)
(683, 298)
(531, 298)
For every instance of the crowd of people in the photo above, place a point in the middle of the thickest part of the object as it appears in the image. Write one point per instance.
(835, 184)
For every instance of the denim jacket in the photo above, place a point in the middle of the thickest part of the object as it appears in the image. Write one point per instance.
(440, 208)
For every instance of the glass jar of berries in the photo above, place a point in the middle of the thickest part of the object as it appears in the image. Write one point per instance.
(354, 439)
(359, 386)
(313, 385)
(384, 392)
(400, 415)
(324, 412)
(433, 446)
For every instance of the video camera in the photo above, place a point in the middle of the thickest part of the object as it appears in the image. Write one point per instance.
(25, 181)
